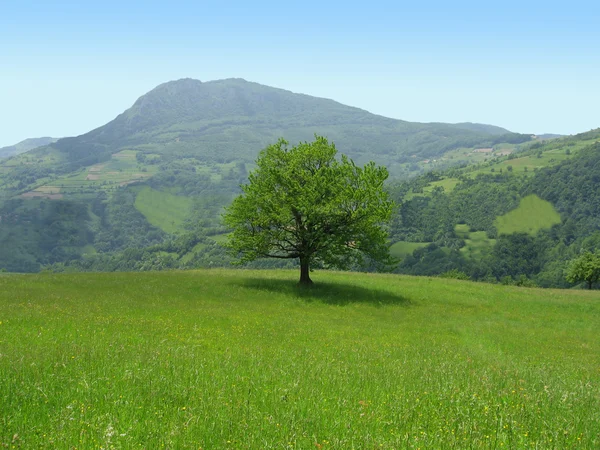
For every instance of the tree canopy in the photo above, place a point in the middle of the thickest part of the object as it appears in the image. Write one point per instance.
(584, 268)
(302, 202)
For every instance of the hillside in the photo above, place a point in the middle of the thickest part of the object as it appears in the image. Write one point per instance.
(517, 218)
(191, 144)
(359, 361)
(482, 128)
(514, 219)
(231, 120)
(25, 146)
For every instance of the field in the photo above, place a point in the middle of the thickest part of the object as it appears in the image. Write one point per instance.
(246, 359)
(532, 215)
(526, 165)
(402, 249)
(476, 242)
(163, 209)
(122, 169)
(448, 184)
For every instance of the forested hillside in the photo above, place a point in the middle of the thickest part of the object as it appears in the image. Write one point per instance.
(507, 220)
(25, 146)
(517, 220)
(169, 164)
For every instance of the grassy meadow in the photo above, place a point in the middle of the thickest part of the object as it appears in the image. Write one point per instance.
(402, 249)
(163, 209)
(246, 359)
(476, 242)
(532, 215)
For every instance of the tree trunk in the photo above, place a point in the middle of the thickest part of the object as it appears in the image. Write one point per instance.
(304, 272)
(589, 284)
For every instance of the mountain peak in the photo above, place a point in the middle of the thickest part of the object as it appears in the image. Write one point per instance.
(190, 100)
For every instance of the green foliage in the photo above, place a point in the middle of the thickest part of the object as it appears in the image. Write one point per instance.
(584, 268)
(455, 274)
(303, 203)
(36, 232)
(470, 216)
(142, 359)
(231, 120)
(122, 225)
(477, 243)
(198, 140)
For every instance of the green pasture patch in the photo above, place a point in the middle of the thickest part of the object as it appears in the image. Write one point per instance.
(220, 238)
(163, 209)
(402, 249)
(477, 244)
(447, 183)
(466, 155)
(247, 359)
(527, 164)
(125, 155)
(532, 215)
(190, 255)
(122, 169)
(462, 230)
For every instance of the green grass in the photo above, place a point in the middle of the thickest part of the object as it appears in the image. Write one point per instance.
(120, 170)
(162, 209)
(532, 215)
(190, 255)
(476, 242)
(402, 249)
(448, 184)
(526, 165)
(245, 359)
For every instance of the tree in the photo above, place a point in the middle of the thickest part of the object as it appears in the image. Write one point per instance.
(303, 203)
(584, 268)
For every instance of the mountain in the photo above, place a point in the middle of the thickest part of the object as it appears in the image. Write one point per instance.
(482, 128)
(515, 219)
(25, 146)
(547, 136)
(171, 162)
(233, 119)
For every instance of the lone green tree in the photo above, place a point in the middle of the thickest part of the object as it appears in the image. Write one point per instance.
(584, 268)
(304, 203)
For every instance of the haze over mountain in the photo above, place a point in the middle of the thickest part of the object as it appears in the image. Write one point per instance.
(25, 146)
(233, 119)
(172, 161)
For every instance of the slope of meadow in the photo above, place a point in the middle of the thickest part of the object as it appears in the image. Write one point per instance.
(532, 215)
(162, 209)
(243, 359)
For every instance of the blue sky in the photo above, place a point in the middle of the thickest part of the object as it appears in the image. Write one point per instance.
(67, 67)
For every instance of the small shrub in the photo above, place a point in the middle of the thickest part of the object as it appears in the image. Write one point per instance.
(455, 274)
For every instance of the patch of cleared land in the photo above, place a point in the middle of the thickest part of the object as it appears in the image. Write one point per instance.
(163, 209)
(402, 249)
(526, 165)
(121, 170)
(532, 215)
(448, 184)
(477, 244)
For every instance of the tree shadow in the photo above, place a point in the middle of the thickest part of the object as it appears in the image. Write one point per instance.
(329, 293)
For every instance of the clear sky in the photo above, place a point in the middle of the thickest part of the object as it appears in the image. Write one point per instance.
(67, 67)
